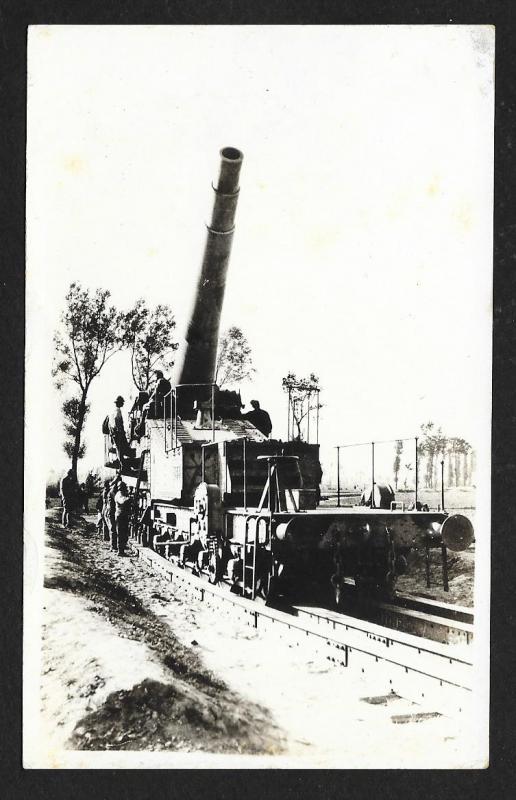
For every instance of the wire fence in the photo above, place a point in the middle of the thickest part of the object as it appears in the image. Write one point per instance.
(397, 463)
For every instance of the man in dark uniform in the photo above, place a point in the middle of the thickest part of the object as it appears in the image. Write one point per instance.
(157, 402)
(117, 431)
(83, 498)
(259, 418)
(123, 505)
(111, 511)
(106, 524)
(67, 490)
(99, 508)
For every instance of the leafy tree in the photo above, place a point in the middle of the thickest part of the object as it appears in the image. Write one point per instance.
(72, 413)
(93, 483)
(300, 392)
(149, 335)
(433, 444)
(458, 455)
(90, 335)
(234, 359)
(398, 450)
(436, 447)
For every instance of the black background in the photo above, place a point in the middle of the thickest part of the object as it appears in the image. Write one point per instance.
(498, 780)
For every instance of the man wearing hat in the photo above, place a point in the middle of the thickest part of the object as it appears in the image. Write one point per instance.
(117, 430)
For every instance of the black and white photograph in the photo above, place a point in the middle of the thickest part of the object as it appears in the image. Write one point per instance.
(258, 396)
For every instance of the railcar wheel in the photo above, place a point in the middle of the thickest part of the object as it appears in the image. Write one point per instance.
(337, 579)
(214, 568)
(266, 588)
(336, 585)
(269, 582)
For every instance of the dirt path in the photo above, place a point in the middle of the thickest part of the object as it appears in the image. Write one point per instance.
(130, 664)
(115, 676)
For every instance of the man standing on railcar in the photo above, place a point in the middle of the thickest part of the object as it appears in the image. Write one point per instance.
(159, 401)
(117, 430)
(259, 418)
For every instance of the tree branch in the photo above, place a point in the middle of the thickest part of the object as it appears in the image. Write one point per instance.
(133, 348)
(79, 376)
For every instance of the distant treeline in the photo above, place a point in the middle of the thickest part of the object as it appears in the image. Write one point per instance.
(435, 447)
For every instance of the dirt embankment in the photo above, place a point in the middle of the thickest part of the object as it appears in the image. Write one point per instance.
(129, 664)
(100, 634)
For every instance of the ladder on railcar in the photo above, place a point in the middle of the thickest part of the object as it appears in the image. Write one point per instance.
(136, 506)
(252, 566)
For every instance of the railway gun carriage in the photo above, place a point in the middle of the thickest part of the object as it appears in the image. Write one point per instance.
(218, 496)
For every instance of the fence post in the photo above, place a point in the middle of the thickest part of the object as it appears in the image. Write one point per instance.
(338, 476)
(415, 501)
(372, 475)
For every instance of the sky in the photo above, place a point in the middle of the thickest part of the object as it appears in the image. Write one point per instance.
(363, 243)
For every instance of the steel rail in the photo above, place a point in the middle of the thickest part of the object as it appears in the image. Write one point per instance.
(432, 619)
(418, 602)
(426, 604)
(415, 668)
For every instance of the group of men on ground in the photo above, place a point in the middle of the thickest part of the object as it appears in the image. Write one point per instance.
(113, 508)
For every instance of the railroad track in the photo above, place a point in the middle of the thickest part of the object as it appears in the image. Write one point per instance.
(435, 675)
(421, 616)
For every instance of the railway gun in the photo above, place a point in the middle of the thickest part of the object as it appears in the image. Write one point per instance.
(216, 495)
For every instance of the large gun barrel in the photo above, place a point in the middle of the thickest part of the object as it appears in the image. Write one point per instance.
(200, 354)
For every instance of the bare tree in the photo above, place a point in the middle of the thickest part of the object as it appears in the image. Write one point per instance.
(234, 358)
(149, 335)
(303, 396)
(90, 335)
